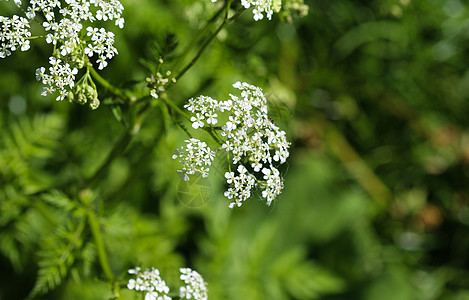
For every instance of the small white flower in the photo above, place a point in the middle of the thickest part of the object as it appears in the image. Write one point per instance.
(40, 73)
(256, 166)
(229, 126)
(119, 22)
(197, 121)
(211, 117)
(229, 177)
(61, 78)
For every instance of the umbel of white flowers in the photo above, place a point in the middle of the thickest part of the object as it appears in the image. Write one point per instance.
(261, 7)
(66, 26)
(155, 288)
(254, 143)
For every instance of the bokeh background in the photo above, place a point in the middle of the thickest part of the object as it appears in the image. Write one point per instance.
(374, 98)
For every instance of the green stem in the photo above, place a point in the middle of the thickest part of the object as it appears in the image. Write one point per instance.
(107, 85)
(34, 37)
(201, 50)
(76, 237)
(170, 103)
(236, 15)
(226, 8)
(118, 148)
(98, 239)
(197, 39)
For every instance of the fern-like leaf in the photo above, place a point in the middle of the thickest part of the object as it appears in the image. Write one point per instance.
(59, 200)
(58, 256)
(36, 137)
(26, 147)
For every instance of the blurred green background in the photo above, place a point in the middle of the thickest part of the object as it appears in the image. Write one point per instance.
(374, 98)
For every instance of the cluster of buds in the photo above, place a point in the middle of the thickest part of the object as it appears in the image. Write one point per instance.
(254, 143)
(150, 283)
(158, 82)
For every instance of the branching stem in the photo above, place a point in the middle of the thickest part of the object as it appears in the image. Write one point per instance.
(204, 46)
(198, 38)
(170, 103)
(107, 85)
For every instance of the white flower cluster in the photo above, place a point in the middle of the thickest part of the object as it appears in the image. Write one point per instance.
(251, 138)
(61, 77)
(195, 288)
(155, 288)
(64, 23)
(204, 109)
(196, 157)
(150, 282)
(261, 7)
(14, 34)
(78, 10)
(102, 43)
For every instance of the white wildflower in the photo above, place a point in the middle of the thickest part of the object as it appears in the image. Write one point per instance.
(251, 138)
(195, 158)
(150, 283)
(101, 43)
(61, 78)
(261, 7)
(197, 121)
(14, 34)
(63, 25)
(195, 288)
(257, 147)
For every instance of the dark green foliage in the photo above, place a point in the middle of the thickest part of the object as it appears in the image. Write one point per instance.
(373, 96)
(27, 145)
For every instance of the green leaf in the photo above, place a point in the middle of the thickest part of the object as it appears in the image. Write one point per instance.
(59, 200)
(58, 253)
(303, 278)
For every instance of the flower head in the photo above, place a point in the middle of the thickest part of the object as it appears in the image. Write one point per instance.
(196, 157)
(261, 7)
(195, 287)
(14, 35)
(64, 26)
(150, 282)
(255, 145)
